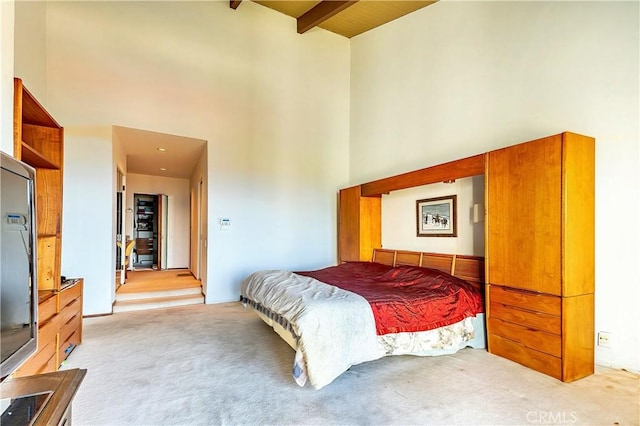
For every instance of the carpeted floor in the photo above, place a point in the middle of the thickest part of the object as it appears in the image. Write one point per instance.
(219, 364)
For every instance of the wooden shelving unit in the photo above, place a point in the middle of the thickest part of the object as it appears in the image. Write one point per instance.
(39, 142)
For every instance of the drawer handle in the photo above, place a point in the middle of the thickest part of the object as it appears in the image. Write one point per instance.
(519, 291)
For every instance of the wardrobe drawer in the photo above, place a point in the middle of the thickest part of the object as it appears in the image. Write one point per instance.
(534, 339)
(525, 318)
(525, 299)
(519, 353)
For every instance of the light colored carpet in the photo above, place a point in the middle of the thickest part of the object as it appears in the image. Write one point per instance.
(219, 364)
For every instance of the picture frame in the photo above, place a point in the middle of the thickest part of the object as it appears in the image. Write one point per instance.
(437, 217)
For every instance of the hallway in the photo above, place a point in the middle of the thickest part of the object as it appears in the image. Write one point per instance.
(150, 289)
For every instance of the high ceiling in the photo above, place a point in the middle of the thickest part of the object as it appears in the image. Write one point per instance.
(347, 18)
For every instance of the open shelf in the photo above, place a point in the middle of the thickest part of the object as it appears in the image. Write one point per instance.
(35, 159)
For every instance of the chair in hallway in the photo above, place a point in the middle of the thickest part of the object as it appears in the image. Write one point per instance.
(128, 249)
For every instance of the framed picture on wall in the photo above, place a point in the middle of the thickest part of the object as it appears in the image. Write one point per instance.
(436, 217)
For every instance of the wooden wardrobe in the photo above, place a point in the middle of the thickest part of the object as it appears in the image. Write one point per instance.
(539, 246)
(539, 253)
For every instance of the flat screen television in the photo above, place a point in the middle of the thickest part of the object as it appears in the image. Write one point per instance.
(18, 286)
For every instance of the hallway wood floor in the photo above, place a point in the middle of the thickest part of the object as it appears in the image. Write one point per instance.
(148, 280)
(150, 289)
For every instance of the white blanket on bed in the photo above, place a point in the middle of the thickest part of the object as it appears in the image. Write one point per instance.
(335, 327)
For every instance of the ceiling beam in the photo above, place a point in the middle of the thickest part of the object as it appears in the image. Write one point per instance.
(321, 12)
(233, 4)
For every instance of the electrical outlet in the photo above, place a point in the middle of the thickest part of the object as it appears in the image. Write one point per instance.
(604, 339)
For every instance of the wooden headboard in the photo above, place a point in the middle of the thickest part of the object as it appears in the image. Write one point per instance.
(468, 268)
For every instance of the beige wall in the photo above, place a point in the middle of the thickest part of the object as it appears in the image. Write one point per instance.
(399, 225)
(460, 78)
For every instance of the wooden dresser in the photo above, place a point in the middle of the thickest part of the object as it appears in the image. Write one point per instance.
(39, 142)
(539, 254)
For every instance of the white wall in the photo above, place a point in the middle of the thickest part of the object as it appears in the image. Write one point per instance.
(7, 15)
(119, 165)
(198, 265)
(31, 62)
(177, 191)
(88, 220)
(272, 104)
(399, 225)
(470, 77)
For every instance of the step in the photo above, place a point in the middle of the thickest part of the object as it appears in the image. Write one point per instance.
(157, 302)
(189, 291)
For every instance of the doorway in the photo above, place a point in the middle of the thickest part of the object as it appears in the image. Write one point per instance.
(121, 264)
(150, 218)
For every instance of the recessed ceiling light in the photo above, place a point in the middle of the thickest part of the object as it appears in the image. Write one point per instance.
(162, 149)
(163, 169)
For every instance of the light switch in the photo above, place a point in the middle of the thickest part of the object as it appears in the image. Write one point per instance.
(225, 224)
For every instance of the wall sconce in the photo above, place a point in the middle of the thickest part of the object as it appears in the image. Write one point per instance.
(476, 216)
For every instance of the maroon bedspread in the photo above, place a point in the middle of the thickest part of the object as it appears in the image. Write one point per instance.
(405, 298)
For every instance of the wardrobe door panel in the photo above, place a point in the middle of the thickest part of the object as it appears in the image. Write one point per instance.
(524, 217)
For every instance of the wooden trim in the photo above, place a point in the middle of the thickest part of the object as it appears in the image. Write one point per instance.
(578, 214)
(470, 166)
(233, 4)
(32, 111)
(100, 315)
(17, 118)
(62, 384)
(321, 12)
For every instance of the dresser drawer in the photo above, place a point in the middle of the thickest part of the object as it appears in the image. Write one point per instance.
(67, 345)
(44, 359)
(525, 299)
(70, 294)
(42, 362)
(47, 333)
(47, 309)
(69, 327)
(534, 339)
(525, 318)
(528, 357)
(68, 312)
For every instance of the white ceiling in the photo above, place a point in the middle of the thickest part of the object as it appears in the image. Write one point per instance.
(143, 156)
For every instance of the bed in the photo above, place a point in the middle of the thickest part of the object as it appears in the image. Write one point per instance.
(400, 303)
